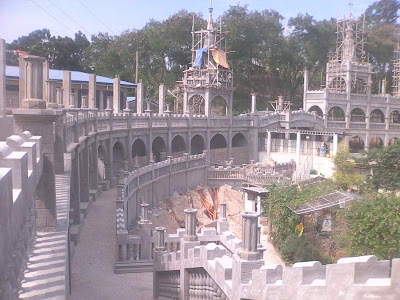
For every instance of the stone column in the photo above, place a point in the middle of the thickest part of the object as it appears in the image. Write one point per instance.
(160, 239)
(33, 83)
(161, 98)
(59, 97)
(269, 142)
(250, 233)
(46, 83)
(253, 103)
(94, 185)
(139, 98)
(145, 234)
(92, 91)
(222, 224)
(159, 251)
(298, 144)
(116, 95)
(75, 186)
(190, 224)
(66, 88)
(3, 102)
(335, 144)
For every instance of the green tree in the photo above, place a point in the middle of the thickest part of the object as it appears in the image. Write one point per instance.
(386, 167)
(345, 165)
(372, 226)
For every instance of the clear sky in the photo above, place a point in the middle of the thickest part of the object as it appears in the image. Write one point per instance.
(64, 17)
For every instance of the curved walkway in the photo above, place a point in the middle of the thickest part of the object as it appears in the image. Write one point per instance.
(92, 265)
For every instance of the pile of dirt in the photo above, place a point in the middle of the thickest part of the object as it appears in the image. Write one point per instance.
(171, 215)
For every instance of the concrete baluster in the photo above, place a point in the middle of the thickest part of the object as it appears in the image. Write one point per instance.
(250, 232)
(144, 210)
(160, 239)
(190, 224)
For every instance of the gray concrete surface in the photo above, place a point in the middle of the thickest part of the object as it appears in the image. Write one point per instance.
(93, 262)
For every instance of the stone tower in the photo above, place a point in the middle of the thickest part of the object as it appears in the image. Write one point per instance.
(347, 69)
(208, 84)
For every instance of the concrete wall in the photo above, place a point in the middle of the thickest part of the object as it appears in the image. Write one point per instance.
(238, 277)
(21, 166)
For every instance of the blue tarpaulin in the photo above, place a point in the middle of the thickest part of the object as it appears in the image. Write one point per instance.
(199, 57)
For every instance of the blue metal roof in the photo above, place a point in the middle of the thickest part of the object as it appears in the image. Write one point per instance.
(76, 76)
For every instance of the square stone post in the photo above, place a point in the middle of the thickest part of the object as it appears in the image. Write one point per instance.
(248, 257)
(188, 241)
(116, 95)
(269, 143)
(3, 102)
(32, 95)
(161, 98)
(92, 91)
(145, 234)
(253, 103)
(66, 84)
(139, 98)
(298, 144)
(222, 223)
(159, 251)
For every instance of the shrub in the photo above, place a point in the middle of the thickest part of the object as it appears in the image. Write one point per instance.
(373, 226)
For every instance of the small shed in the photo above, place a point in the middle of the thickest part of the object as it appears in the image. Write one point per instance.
(253, 196)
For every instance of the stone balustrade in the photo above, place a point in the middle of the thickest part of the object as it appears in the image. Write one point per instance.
(21, 167)
(256, 173)
(244, 275)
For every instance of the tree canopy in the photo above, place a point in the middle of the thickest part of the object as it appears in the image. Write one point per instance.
(266, 58)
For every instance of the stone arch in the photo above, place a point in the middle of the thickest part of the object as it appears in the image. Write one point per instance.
(393, 141)
(338, 84)
(356, 144)
(357, 115)
(198, 144)
(395, 117)
(358, 86)
(377, 116)
(139, 148)
(239, 140)
(102, 161)
(197, 104)
(218, 106)
(178, 146)
(316, 109)
(218, 141)
(118, 157)
(336, 114)
(159, 149)
(376, 143)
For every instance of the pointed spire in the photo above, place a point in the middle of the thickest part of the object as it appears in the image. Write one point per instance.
(210, 19)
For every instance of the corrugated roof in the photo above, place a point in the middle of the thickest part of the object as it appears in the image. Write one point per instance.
(76, 76)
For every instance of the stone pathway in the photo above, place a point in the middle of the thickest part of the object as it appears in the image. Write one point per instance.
(45, 274)
(93, 262)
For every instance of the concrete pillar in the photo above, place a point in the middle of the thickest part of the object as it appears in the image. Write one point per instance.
(3, 102)
(139, 98)
(46, 82)
(190, 224)
(84, 176)
(160, 239)
(335, 144)
(298, 144)
(222, 223)
(269, 142)
(92, 91)
(67, 89)
(145, 234)
(59, 97)
(161, 98)
(305, 88)
(94, 168)
(185, 103)
(73, 101)
(144, 211)
(253, 103)
(32, 92)
(75, 188)
(250, 232)
(101, 101)
(116, 95)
